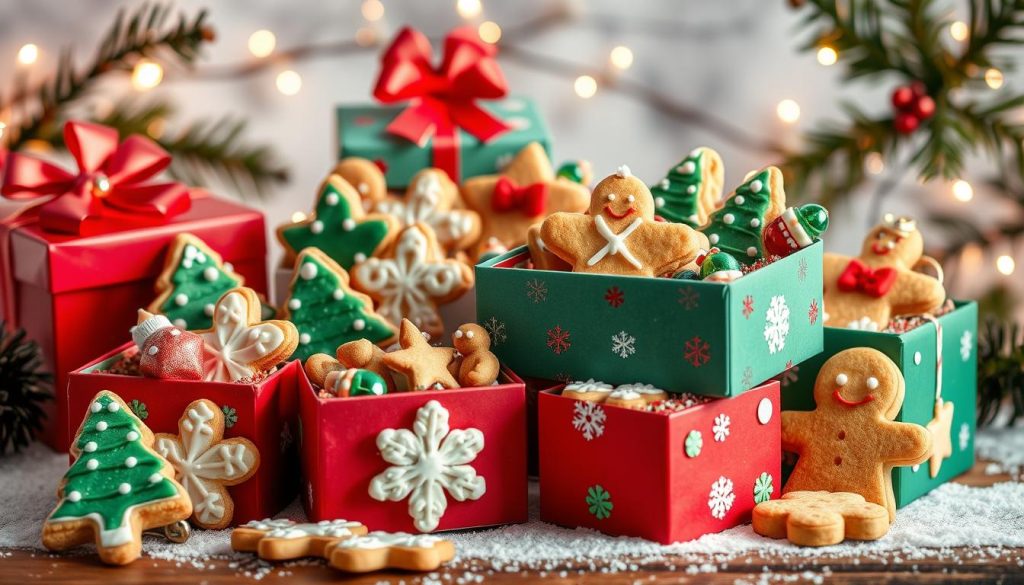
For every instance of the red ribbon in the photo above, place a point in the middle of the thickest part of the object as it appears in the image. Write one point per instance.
(441, 99)
(858, 277)
(532, 199)
(112, 181)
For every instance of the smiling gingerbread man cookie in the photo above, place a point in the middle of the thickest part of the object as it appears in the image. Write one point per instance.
(850, 442)
(619, 234)
(867, 291)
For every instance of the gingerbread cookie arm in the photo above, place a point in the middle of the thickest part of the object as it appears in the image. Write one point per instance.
(563, 232)
(694, 242)
(915, 293)
(795, 427)
(908, 444)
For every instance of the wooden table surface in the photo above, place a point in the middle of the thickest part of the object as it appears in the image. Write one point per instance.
(950, 565)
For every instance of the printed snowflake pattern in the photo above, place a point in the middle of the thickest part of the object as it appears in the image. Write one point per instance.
(537, 290)
(812, 312)
(230, 416)
(623, 344)
(721, 427)
(801, 270)
(763, 488)
(791, 375)
(697, 352)
(693, 443)
(721, 497)
(496, 330)
(426, 462)
(689, 298)
(599, 502)
(588, 418)
(965, 436)
(615, 297)
(776, 326)
(748, 306)
(558, 340)
(139, 408)
(748, 377)
(965, 346)
(286, 437)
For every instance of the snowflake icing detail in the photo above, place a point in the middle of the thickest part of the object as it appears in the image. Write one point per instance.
(697, 352)
(615, 297)
(801, 270)
(965, 346)
(965, 436)
(623, 344)
(776, 326)
(721, 497)
(588, 418)
(812, 312)
(693, 443)
(427, 461)
(748, 306)
(537, 290)
(763, 488)
(721, 427)
(496, 330)
(748, 377)
(558, 340)
(689, 298)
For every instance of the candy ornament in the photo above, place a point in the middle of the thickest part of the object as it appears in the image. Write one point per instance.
(720, 267)
(167, 352)
(796, 228)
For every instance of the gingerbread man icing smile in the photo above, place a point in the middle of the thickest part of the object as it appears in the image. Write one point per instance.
(618, 235)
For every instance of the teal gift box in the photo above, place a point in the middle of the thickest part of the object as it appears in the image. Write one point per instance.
(916, 353)
(362, 132)
(693, 336)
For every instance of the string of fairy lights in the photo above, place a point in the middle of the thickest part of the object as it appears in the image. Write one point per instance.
(147, 74)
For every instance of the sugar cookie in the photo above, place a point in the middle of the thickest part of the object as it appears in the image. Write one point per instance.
(691, 189)
(365, 176)
(284, 540)
(419, 365)
(433, 198)
(191, 281)
(377, 551)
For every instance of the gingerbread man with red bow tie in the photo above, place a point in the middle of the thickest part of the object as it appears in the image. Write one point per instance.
(866, 292)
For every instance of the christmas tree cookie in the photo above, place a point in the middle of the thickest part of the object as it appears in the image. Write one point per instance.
(117, 487)
(325, 309)
(193, 278)
(691, 189)
(736, 227)
(339, 227)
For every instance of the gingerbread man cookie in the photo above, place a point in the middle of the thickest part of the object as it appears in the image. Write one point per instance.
(206, 464)
(433, 198)
(477, 366)
(366, 177)
(283, 540)
(526, 191)
(820, 518)
(239, 345)
(620, 235)
(377, 551)
(117, 487)
(871, 289)
(850, 442)
(411, 278)
(419, 365)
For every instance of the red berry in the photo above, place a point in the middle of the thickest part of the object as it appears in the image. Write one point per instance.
(924, 107)
(905, 122)
(902, 98)
(919, 89)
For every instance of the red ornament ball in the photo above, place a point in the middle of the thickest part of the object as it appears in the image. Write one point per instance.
(919, 89)
(924, 107)
(906, 123)
(902, 98)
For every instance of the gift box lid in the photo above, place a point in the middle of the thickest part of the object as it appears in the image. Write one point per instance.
(62, 263)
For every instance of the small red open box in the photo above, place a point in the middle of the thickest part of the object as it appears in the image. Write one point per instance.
(484, 486)
(660, 476)
(265, 412)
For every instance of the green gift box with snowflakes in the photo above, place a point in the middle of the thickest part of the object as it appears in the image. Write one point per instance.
(362, 131)
(939, 362)
(711, 338)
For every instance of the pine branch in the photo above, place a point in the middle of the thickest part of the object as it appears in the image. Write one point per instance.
(1000, 370)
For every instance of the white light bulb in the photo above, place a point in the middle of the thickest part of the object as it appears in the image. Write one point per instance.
(147, 75)
(262, 43)
(28, 54)
(585, 86)
(289, 82)
(788, 111)
(622, 57)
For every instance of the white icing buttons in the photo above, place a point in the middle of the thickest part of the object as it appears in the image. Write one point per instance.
(687, 167)
(348, 224)
(713, 238)
(113, 407)
(728, 218)
(210, 273)
(755, 186)
(611, 197)
(842, 379)
(96, 407)
(764, 411)
(308, 271)
(631, 199)
(755, 223)
(359, 257)
(338, 294)
(74, 496)
(92, 464)
(101, 426)
(155, 478)
(872, 382)
(181, 324)
(124, 488)
(691, 189)
(332, 198)
(359, 324)
(131, 462)
(90, 446)
(132, 436)
(739, 200)
(752, 251)
(153, 350)
(316, 227)
(294, 304)
(181, 299)
(304, 339)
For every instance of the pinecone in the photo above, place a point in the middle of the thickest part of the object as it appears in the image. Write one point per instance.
(23, 390)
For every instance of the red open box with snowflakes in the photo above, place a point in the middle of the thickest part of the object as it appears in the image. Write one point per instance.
(417, 461)
(663, 476)
(265, 412)
(703, 337)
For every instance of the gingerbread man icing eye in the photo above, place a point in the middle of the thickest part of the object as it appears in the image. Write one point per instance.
(458, 334)
(469, 335)
(841, 380)
(631, 199)
(611, 197)
(872, 382)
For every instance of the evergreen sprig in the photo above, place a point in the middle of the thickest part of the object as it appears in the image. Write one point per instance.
(1000, 371)
(24, 388)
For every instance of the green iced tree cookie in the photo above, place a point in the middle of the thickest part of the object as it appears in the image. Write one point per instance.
(338, 227)
(193, 281)
(325, 309)
(736, 227)
(690, 189)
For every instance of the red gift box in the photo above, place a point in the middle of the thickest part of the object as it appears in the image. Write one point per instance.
(78, 295)
(343, 454)
(265, 412)
(639, 473)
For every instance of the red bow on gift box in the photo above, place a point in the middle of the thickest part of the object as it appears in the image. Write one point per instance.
(859, 277)
(112, 181)
(442, 98)
(531, 199)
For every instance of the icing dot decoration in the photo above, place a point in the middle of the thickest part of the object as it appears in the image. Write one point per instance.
(338, 294)
(124, 488)
(332, 198)
(316, 227)
(132, 436)
(96, 407)
(210, 273)
(90, 446)
(756, 186)
(294, 304)
(359, 324)
(113, 407)
(181, 299)
(92, 464)
(348, 224)
(74, 496)
(304, 339)
(728, 218)
(131, 462)
(155, 478)
(308, 271)
(101, 426)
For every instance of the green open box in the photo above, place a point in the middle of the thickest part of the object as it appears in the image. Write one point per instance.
(681, 335)
(915, 353)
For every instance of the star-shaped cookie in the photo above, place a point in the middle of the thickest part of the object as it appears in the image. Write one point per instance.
(419, 365)
(940, 428)
(525, 192)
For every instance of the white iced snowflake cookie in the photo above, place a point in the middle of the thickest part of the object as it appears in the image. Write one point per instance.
(426, 462)
(282, 539)
(205, 464)
(431, 199)
(389, 550)
(636, 396)
(590, 390)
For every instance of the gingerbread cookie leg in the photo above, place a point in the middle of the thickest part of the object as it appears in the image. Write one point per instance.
(820, 518)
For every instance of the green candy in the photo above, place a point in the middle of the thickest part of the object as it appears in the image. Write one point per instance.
(720, 266)
(575, 171)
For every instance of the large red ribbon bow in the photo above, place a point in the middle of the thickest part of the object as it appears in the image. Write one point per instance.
(859, 277)
(442, 98)
(531, 199)
(111, 181)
